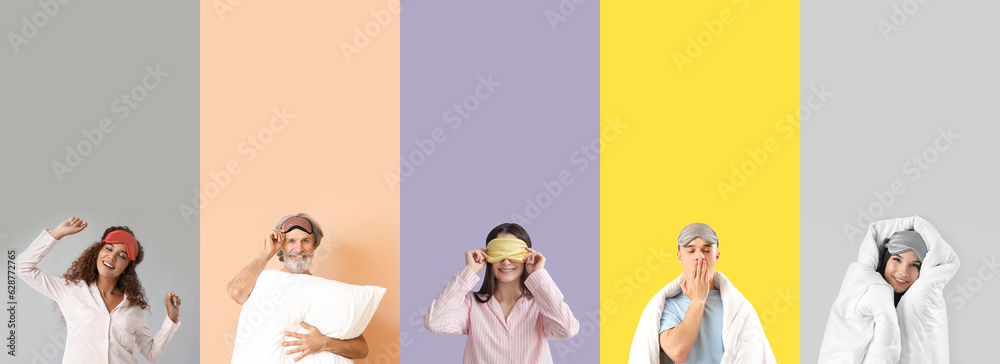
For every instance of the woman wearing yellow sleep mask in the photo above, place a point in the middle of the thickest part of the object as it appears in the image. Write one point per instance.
(508, 259)
(518, 297)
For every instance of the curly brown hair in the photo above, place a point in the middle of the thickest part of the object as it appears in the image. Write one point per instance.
(85, 269)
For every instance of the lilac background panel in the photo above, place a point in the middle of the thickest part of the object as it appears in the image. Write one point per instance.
(496, 151)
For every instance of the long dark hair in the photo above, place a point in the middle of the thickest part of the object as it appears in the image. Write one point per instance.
(883, 260)
(85, 269)
(490, 283)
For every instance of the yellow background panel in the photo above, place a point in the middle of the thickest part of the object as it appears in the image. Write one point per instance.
(729, 105)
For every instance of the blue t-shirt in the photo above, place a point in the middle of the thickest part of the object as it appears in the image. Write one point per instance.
(707, 346)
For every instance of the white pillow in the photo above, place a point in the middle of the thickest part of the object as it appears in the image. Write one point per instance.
(280, 301)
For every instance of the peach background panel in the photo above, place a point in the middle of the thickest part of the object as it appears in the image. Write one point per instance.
(289, 125)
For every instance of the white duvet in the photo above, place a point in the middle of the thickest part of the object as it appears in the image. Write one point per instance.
(280, 301)
(864, 327)
(742, 334)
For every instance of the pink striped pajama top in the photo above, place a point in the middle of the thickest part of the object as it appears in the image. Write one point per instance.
(521, 338)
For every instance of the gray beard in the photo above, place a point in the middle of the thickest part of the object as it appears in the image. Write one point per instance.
(295, 266)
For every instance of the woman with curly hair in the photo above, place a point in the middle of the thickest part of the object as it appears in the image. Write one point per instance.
(100, 296)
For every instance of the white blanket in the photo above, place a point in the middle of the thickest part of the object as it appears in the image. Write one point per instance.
(280, 301)
(742, 334)
(864, 327)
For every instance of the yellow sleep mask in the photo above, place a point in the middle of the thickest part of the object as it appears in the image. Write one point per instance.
(506, 248)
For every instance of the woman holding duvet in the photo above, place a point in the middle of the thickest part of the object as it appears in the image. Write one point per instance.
(891, 306)
(516, 310)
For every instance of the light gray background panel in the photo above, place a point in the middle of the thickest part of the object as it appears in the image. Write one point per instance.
(938, 71)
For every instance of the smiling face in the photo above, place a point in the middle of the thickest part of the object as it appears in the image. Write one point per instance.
(298, 251)
(902, 270)
(112, 259)
(694, 251)
(507, 270)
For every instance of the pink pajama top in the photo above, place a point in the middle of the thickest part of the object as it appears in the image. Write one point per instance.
(520, 338)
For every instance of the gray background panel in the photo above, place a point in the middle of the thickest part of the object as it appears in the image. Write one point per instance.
(939, 70)
(63, 81)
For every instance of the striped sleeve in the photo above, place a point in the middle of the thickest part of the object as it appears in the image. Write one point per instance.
(449, 313)
(558, 322)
